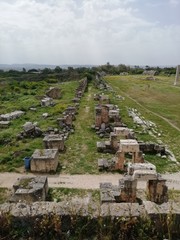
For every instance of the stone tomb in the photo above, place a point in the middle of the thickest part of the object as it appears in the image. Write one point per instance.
(44, 160)
(30, 189)
(119, 162)
(54, 141)
(142, 171)
(128, 146)
(101, 116)
(124, 192)
(124, 132)
(157, 190)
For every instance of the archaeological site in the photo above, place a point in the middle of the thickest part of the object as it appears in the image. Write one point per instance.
(83, 157)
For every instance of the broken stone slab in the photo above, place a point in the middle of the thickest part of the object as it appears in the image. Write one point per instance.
(33, 109)
(11, 116)
(28, 127)
(45, 102)
(4, 124)
(45, 115)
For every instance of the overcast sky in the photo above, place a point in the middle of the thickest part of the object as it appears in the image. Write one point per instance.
(136, 32)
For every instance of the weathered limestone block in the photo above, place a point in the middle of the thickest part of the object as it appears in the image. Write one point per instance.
(44, 160)
(54, 92)
(124, 132)
(128, 145)
(177, 75)
(114, 141)
(29, 127)
(157, 190)
(138, 157)
(30, 189)
(54, 141)
(10, 116)
(128, 187)
(120, 160)
(105, 114)
(98, 119)
(132, 167)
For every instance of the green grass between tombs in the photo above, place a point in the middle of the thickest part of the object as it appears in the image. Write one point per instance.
(12, 152)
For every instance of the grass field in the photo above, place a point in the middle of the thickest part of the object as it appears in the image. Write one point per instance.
(158, 101)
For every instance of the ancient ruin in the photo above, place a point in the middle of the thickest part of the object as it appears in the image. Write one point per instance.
(120, 161)
(11, 116)
(54, 92)
(81, 88)
(112, 145)
(54, 141)
(157, 190)
(44, 160)
(4, 124)
(107, 116)
(142, 171)
(124, 192)
(177, 75)
(30, 130)
(30, 189)
(103, 99)
(128, 146)
(46, 102)
(150, 73)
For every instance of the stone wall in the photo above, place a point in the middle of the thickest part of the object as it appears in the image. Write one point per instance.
(90, 219)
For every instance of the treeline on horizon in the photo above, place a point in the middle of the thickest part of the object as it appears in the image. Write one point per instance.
(59, 74)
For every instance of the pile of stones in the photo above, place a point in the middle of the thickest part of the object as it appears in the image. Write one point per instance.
(107, 117)
(30, 130)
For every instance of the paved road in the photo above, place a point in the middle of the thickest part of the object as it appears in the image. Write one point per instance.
(85, 181)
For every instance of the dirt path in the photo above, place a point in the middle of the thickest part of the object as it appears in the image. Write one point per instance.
(156, 114)
(85, 181)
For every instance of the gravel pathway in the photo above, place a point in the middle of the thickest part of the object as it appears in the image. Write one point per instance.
(85, 181)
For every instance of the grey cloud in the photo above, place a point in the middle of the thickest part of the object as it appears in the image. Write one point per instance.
(82, 31)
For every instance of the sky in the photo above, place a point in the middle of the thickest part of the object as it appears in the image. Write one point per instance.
(132, 32)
